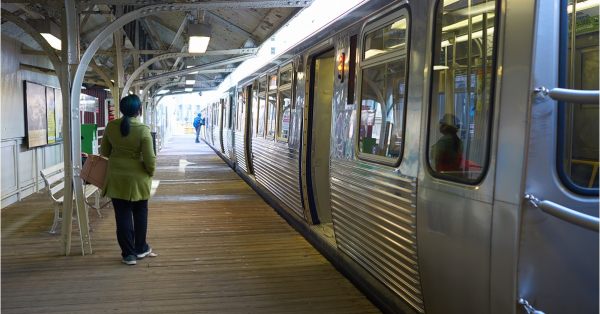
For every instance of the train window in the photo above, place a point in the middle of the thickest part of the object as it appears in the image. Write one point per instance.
(262, 85)
(383, 89)
(241, 105)
(225, 107)
(272, 105)
(231, 114)
(578, 123)
(272, 82)
(262, 108)
(215, 114)
(352, 69)
(388, 38)
(463, 74)
(228, 113)
(285, 75)
(255, 108)
(284, 104)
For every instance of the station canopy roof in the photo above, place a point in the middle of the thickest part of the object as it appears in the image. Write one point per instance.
(157, 45)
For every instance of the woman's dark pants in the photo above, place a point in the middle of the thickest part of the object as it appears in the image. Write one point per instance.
(132, 223)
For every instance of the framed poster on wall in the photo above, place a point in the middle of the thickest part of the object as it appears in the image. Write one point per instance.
(35, 113)
(58, 114)
(50, 115)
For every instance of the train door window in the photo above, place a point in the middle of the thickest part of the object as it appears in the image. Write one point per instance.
(231, 110)
(227, 113)
(461, 92)
(255, 108)
(383, 78)
(262, 106)
(241, 105)
(215, 114)
(284, 105)
(272, 105)
(578, 123)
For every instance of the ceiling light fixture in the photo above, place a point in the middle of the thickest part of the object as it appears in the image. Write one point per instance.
(199, 37)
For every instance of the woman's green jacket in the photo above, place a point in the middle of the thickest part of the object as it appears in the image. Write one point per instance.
(131, 161)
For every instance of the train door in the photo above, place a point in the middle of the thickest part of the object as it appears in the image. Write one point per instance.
(456, 190)
(558, 253)
(220, 125)
(318, 131)
(250, 123)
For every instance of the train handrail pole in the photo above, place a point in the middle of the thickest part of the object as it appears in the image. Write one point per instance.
(565, 213)
(571, 95)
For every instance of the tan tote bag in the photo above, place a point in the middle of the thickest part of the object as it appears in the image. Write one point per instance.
(94, 170)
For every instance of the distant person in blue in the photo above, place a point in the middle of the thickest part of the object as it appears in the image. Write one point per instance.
(198, 123)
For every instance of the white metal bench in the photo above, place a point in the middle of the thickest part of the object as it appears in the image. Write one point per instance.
(54, 177)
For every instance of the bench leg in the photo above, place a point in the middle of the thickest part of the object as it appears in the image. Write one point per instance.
(97, 203)
(57, 219)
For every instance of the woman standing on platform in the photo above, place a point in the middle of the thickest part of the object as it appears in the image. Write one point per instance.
(131, 163)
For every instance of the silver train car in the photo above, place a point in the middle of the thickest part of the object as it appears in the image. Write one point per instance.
(443, 154)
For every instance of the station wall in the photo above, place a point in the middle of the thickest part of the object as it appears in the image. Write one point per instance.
(21, 166)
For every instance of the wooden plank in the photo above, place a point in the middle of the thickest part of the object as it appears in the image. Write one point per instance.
(222, 250)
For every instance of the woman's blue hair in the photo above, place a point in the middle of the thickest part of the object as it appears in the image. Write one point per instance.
(130, 107)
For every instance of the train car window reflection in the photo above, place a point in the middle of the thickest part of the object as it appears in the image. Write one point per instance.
(255, 112)
(241, 104)
(579, 151)
(383, 88)
(284, 102)
(271, 105)
(285, 77)
(272, 102)
(262, 85)
(272, 82)
(262, 107)
(461, 91)
(385, 39)
(284, 110)
(228, 112)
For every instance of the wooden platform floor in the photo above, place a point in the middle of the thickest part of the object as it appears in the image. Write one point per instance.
(222, 250)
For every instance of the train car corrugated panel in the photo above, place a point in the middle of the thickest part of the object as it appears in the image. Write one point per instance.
(216, 138)
(228, 144)
(240, 153)
(374, 217)
(276, 168)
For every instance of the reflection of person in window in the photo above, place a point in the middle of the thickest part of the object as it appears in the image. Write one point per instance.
(447, 151)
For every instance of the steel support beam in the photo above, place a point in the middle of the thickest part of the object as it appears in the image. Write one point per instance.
(111, 52)
(100, 12)
(72, 146)
(47, 49)
(119, 71)
(136, 45)
(157, 43)
(102, 74)
(234, 27)
(255, 4)
(179, 32)
(146, 64)
(167, 75)
(163, 87)
(174, 67)
(153, 10)
(94, 81)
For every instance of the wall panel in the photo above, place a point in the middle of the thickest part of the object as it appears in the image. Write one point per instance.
(9, 168)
